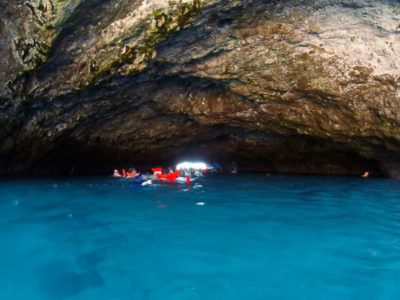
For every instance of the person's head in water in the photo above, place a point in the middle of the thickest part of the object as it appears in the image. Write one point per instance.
(366, 174)
(116, 173)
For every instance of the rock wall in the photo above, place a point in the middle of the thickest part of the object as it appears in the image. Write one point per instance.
(279, 86)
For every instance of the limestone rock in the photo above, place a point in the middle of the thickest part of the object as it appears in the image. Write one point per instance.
(284, 86)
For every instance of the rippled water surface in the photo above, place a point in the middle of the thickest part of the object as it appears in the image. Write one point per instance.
(242, 237)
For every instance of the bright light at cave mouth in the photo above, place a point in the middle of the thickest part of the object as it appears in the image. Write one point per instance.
(192, 165)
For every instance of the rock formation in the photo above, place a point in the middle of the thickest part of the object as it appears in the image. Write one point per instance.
(295, 86)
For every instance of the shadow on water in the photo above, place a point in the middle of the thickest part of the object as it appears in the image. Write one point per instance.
(61, 281)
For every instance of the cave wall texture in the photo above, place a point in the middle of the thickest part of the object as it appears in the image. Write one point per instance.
(291, 86)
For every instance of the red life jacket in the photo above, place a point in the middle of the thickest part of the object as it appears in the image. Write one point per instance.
(157, 170)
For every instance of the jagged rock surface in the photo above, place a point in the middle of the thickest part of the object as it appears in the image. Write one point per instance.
(285, 86)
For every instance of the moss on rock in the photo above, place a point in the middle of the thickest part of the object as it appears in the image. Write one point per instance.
(133, 58)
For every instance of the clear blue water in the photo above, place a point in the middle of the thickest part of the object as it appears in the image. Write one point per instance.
(255, 237)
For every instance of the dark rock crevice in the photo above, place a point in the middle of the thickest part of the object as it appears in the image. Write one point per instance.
(284, 155)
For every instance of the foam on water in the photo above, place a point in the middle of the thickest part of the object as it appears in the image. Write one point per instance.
(229, 237)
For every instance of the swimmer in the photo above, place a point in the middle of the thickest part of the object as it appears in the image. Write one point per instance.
(365, 175)
(116, 174)
(132, 173)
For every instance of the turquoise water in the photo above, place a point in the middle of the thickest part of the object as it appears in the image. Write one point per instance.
(255, 237)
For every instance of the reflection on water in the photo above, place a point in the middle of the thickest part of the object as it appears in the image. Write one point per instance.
(229, 237)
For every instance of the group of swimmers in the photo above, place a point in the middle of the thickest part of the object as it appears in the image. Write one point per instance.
(182, 175)
(131, 173)
(184, 170)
